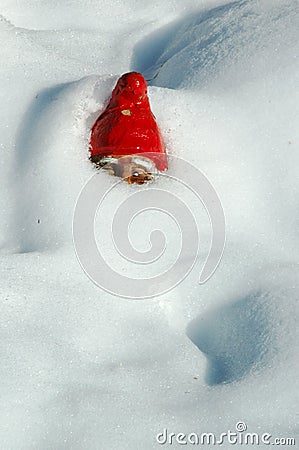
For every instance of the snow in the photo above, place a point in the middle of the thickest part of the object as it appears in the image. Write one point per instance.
(81, 368)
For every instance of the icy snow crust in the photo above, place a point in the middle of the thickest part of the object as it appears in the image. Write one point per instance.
(82, 369)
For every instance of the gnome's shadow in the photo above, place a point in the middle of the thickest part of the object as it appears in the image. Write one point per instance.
(32, 183)
(152, 52)
(25, 148)
(234, 338)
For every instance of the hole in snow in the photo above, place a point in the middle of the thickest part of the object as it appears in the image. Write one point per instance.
(234, 338)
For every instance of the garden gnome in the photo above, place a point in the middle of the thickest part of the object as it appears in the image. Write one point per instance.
(125, 138)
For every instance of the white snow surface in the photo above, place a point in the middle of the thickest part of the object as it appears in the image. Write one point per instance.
(81, 368)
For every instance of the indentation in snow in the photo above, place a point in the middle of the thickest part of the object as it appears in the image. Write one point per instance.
(235, 338)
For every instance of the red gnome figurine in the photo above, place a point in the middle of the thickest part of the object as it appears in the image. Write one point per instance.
(125, 138)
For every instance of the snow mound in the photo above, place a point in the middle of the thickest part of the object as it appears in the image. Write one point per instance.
(236, 42)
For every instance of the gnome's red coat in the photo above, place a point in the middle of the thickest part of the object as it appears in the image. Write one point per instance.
(127, 126)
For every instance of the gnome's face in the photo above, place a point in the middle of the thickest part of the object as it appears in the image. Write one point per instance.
(130, 89)
(132, 169)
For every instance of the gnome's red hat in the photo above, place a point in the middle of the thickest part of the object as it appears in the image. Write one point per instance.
(127, 126)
